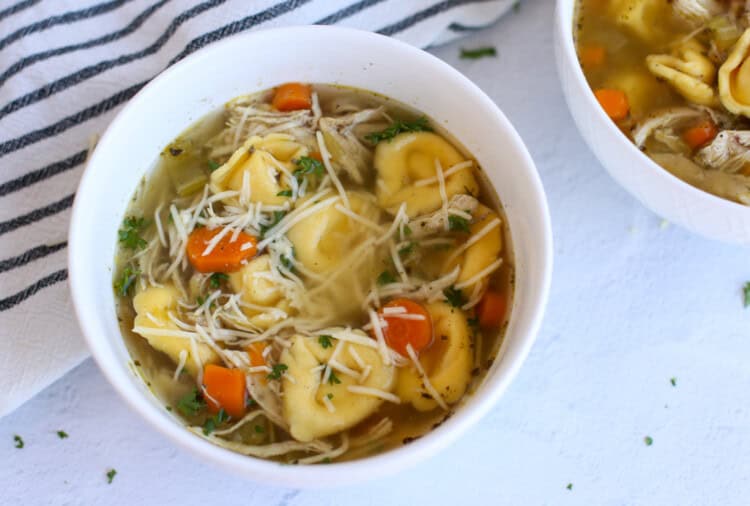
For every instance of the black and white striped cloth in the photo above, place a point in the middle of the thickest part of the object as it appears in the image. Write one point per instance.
(66, 67)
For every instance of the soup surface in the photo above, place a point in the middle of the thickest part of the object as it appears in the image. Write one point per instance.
(313, 273)
(675, 77)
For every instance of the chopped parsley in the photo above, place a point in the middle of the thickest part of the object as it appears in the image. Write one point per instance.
(215, 421)
(62, 434)
(129, 234)
(570, 486)
(480, 52)
(19, 441)
(746, 292)
(308, 166)
(201, 300)
(191, 403)
(648, 440)
(124, 285)
(333, 379)
(458, 224)
(259, 429)
(397, 127)
(212, 166)
(111, 475)
(215, 280)
(386, 277)
(284, 193)
(277, 217)
(325, 341)
(454, 296)
(407, 230)
(473, 323)
(277, 370)
(673, 381)
(406, 250)
(288, 261)
(329, 395)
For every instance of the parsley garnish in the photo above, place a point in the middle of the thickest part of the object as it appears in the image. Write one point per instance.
(746, 291)
(212, 166)
(406, 249)
(325, 341)
(473, 323)
(191, 403)
(214, 281)
(386, 277)
(259, 429)
(111, 475)
(673, 381)
(126, 282)
(648, 440)
(570, 486)
(284, 193)
(454, 296)
(333, 379)
(308, 166)
(129, 234)
(62, 434)
(480, 52)
(277, 217)
(407, 230)
(458, 224)
(288, 261)
(215, 421)
(18, 440)
(397, 127)
(329, 395)
(277, 370)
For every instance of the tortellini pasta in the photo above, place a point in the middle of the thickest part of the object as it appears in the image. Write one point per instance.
(264, 300)
(152, 306)
(734, 78)
(640, 86)
(263, 158)
(409, 157)
(640, 17)
(304, 409)
(688, 71)
(482, 253)
(447, 363)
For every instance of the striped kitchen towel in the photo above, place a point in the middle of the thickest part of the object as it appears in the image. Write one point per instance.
(66, 67)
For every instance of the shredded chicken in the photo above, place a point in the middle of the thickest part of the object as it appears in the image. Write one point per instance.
(433, 223)
(696, 12)
(728, 152)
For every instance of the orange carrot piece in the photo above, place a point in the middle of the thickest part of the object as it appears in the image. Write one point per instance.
(614, 103)
(292, 96)
(592, 55)
(491, 309)
(701, 134)
(255, 351)
(227, 388)
(227, 256)
(402, 331)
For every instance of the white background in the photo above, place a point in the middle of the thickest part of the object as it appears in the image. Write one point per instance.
(634, 302)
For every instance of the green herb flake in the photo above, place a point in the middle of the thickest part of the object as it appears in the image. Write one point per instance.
(129, 234)
(385, 278)
(454, 296)
(288, 261)
(19, 441)
(215, 280)
(648, 440)
(124, 285)
(406, 250)
(333, 379)
(329, 395)
(259, 429)
(325, 341)
(212, 166)
(62, 434)
(473, 323)
(673, 381)
(277, 217)
(175, 151)
(191, 403)
(746, 293)
(407, 230)
(326, 460)
(480, 52)
(307, 166)
(215, 421)
(277, 370)
(111, 475)
(458, 224)
(398, 127)
(570, 486)
(284, 193)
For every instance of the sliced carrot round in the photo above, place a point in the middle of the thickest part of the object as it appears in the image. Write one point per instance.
(255, 352)
(408, 322)
(225, 389)
(614, 102)
(226, 256)
(292, 97)
(491, 309)
(701, 134)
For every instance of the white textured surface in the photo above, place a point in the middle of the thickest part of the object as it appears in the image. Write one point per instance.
(632, 305)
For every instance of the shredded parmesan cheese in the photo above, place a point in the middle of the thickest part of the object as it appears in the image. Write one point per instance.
(425, 380)
(374, 392)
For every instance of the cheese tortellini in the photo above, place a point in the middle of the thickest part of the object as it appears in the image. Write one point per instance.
(264, 159)
(259, 292)
(640, 17)
(483, 252)
(447, 363)
(410, 157)
(734, 78)
(152, 306)
(304, 409)
(688, 71)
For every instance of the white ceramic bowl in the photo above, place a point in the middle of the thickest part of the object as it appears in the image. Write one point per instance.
(257, 61)
(656, 188)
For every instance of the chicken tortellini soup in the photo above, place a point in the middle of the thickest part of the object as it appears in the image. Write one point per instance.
(313, 274)
(675, 77)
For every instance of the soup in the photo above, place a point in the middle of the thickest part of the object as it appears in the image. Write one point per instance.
(674, 75)
(312, 274)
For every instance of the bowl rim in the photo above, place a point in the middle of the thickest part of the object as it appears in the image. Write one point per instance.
(654, 169)
(366, 468)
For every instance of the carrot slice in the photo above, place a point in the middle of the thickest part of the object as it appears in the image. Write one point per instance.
(701, 134)
(292, 96)
(491, 309)
(255, 351)
(592, 55)
(614, 103)
(227, 255)
(412, 326)
(225, 389)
